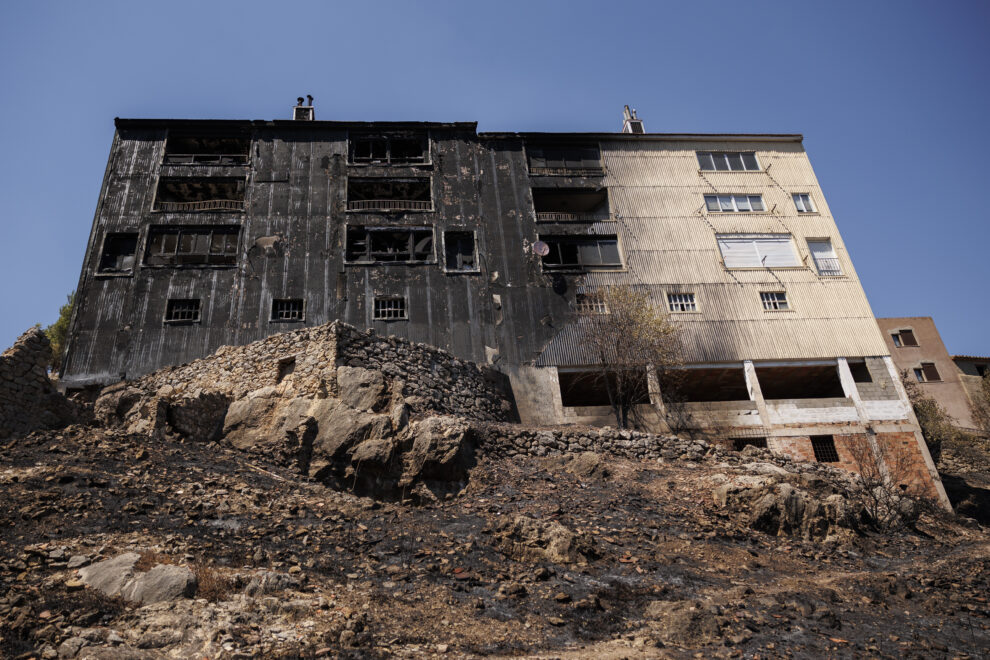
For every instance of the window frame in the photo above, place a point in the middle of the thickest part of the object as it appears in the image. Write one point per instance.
(774, 303)
(302, 310)
(100, 272)
(170, 309)
(557, 240)
(824, 454)
(693, 302)
(537, 151)
(590, 303)
(385, 299)
(897, 336)
(371, 229)
(835, 256)
(711, 154)
(443, 250)
(353, 138)
(193, 230)
(811, 202)
(734, 198)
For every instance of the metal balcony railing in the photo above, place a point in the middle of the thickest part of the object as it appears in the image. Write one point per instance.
(560, 216)
(206, 159)
(828, 266)
(389, 205)
(204, 205)
(567, 171)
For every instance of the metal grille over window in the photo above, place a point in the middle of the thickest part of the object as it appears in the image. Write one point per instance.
(826, 262)
(389, 309)
(590, 303)
(727, 160)
(774, 300)
(824, 448)
(681, 302)
(734, 203)
(287, 309)
(803, 203)
(182, 311)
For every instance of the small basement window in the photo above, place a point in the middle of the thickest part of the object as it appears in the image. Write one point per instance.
(193, 195)
(118, 253)
(824, 448)
(389, 244)
(192, 149)
(581, 252)
(287, 309)
(741, 443)
(180, 311)
(459, 251)
(192, 246)
(389, 150)
(389, 195)
(391, 308)
(904, 337)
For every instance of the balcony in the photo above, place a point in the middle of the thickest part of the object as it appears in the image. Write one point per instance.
(565, 160)
(389, 195)
(389, 205)
(195, 195)
(230, 160)
(204, 205)
(570, 205)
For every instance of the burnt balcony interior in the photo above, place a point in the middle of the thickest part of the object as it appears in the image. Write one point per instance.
(389, 149)
(389, 244)
(192, 246)
(192, 194)
(570, 204)
(389, 194)
(591, 388)
(567, 160)
(800, 382)
(709, 384)
(118, 253)
(581, 253)
(192, 149)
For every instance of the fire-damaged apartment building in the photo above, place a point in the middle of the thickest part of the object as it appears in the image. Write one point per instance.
(218, 232)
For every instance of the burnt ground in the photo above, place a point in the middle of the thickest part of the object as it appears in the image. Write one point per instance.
(671, 575)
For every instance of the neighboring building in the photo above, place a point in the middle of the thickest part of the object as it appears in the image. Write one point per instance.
(972, 370)
(918, 352)
(222, 232)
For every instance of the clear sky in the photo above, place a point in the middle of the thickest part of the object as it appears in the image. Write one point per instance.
(893, 99)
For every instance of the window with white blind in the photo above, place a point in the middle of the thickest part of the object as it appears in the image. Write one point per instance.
(803, 203)
(757, 250)
(826, 262)
(734, 203)
(681, 302)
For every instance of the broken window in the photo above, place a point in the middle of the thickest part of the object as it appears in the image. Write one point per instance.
(118, 253)
(389, 244)
(570, 204)
(800, 382)
(573, 160)
(287, 309)
(904, 337)
(459, 253)
(709, 384)
(193, 149)
(727, 160)
(181, 311)
(188, 194)
(590, 388)
(192, 246)
(389, 195)
(774, 300)
(389, 308)
(581, 252)
(741, 443)
(824, 448)
(389, 150)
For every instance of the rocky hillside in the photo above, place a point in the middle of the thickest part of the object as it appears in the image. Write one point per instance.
(350, 518)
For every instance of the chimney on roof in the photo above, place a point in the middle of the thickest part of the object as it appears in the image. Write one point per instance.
(630, 122)
(302, 112)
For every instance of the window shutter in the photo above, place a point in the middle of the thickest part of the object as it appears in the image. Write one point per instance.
(821, 249)
(739, 252)
(776, 252)
(907, 336)
(931, 373)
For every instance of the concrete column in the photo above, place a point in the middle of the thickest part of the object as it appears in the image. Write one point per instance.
(755, 393)
(852, 392)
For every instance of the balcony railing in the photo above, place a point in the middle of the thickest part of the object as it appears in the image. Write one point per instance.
(389, 205)
(567, 171)
(560, 216)
(204, 205)
(828, 266)
(206, 159)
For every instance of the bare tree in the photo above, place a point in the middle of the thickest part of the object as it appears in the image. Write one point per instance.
(981, 405)
(887, 477)
(630, 342)
(936, 425)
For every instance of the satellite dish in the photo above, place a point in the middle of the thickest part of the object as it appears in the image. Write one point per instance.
(541, 248)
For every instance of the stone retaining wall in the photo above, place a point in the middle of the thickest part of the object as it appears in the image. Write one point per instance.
(509, 440)
(28, 400)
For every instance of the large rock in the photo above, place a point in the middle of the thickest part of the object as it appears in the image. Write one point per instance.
(162, 583)
(110, 575)
(442, 449)
(360, 388)
(527, 539)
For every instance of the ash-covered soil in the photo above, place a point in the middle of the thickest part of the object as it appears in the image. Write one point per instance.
(530, 560)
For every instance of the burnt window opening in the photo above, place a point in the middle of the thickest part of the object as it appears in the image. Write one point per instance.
(824, 448)
(287, 309)
(191, 149)
(802, 382)
(860, 372)
(590, 388)
(180, 311)
(190, 195)
(741, 443)
(581, 252)
(459, 252)
(192, 246)
(709, 384)
(389, 150)
(118, 253)
(568, 160)
(389, 195)
(389, 244)
(904, 337)
(570, 205)
(390, 308)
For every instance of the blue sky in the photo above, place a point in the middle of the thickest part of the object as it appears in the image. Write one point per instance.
(892, 97)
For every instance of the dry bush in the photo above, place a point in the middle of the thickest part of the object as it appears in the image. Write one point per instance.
(886, 477)
(211, 584)
(151, 558)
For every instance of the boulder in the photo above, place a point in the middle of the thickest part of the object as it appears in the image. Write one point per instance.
(360, 388)
(164, 582)
(588, 466)
(528, 539)
(110, 575)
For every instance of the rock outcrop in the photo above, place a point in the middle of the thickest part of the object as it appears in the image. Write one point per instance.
(28, 400)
